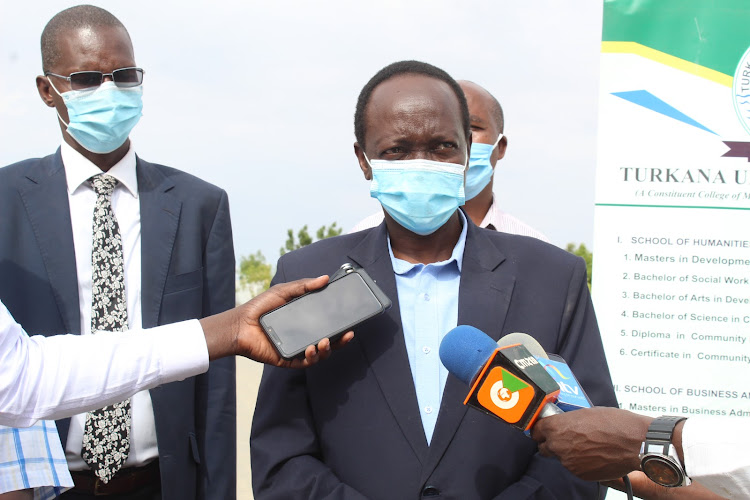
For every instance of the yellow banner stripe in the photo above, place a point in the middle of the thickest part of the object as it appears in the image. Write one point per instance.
(667, 60)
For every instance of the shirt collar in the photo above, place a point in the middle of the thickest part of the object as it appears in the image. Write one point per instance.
(402, 267)
(78, 169)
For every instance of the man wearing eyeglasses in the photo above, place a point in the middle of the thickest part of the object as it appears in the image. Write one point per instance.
(94, 238)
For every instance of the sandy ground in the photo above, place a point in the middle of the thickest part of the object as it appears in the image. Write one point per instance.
(248, 378)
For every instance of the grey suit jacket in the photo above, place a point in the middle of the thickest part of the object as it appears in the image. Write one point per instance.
(187, 260)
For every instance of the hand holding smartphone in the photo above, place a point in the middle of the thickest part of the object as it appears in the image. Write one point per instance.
(350, 298)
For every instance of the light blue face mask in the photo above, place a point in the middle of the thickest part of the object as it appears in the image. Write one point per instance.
(480, 168)
(101, 119)
(421, 195)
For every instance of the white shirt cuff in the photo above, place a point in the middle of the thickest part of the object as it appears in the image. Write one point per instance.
(182, 350)
(715, 452)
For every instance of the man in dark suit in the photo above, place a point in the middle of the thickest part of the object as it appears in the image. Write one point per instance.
(93, 237)
(383, 420)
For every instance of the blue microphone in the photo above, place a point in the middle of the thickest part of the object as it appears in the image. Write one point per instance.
(465, 350)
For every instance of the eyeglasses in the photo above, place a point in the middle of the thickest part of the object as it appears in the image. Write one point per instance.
(82, 80)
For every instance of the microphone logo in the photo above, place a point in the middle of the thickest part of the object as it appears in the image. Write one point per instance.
(549, 367)
(502, 397)
(505, 395)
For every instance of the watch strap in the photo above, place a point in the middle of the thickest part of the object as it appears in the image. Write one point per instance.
(661, 428)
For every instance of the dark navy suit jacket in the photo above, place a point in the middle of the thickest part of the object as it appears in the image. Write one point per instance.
(350, 428)
(187, 260)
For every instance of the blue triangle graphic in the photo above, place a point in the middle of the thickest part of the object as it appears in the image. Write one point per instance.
(650, 101)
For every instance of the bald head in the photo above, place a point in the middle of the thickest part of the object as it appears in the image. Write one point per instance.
(483, 104)
(70, 20)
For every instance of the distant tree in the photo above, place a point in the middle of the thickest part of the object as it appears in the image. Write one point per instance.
(582, 251)
(303, 237)
(255, 272)
(255, 276)
(328, 232)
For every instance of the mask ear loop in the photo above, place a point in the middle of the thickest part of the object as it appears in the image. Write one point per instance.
(499, 138)
(367, 159)
(58, 93)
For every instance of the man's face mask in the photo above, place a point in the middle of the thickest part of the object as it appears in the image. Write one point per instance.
(101, 119)
(421, 195)
(480, 168)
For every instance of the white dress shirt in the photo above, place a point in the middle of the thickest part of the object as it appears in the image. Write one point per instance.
(127, 209)
(494, 219)
(56, 377)
(716, 454)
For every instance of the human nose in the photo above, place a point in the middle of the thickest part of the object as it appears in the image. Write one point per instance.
(420, 154)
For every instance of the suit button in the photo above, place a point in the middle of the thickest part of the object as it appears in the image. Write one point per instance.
(430, 491)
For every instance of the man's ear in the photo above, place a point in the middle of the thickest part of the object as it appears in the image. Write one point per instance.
(363, 165)
(45, 90)
(499, 151)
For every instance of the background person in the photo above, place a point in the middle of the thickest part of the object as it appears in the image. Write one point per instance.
(94, 238)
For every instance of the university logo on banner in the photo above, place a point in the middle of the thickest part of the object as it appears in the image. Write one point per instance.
(741, 90)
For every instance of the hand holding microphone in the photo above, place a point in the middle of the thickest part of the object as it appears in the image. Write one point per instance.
(596, 444)
(602, 444)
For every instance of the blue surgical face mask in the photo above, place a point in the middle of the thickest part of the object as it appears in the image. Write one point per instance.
(421, 195)
(480, 168)
(101, 119)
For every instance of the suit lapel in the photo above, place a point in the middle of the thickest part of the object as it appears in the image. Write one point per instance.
(160, 216)
(383, 343)
(483, 300)
(45, 199)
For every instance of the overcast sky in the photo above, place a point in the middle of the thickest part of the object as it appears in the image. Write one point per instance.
(258, 98)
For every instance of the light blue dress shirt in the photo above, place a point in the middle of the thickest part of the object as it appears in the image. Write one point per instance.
(428, 300)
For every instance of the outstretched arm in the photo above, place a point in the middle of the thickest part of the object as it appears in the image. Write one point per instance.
(59, 376)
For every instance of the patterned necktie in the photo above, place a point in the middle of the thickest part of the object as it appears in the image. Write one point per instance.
(107, 432)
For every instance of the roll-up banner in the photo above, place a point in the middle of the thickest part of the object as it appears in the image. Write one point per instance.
(671, 275)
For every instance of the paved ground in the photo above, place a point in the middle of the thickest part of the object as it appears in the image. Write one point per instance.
(248, 378)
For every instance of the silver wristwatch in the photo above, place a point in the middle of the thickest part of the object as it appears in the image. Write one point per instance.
(659, 460)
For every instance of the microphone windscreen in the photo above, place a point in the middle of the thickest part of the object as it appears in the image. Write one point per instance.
(525, 340)
(464, 351)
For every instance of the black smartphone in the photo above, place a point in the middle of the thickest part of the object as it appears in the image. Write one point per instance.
(341, 305)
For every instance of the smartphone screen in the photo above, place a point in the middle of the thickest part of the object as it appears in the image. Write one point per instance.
(307, 320)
